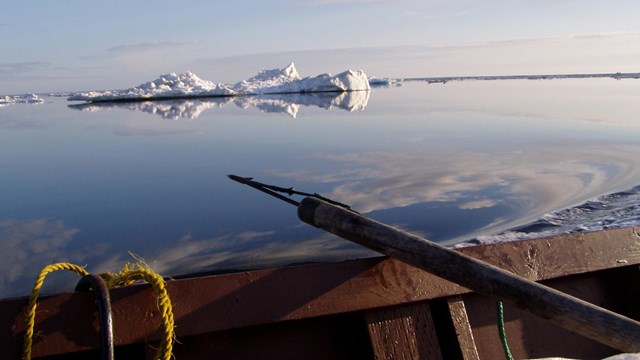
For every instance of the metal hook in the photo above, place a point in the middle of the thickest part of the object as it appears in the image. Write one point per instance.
(275, 190)
(101, 292)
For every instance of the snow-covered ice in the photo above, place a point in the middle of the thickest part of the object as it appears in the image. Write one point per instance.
(166, 86)
(610, 211)
(384, 82)
(188, 85)
(27, 98)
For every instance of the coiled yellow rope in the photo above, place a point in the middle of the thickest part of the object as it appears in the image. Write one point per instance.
(140, 271)
(31, 309)
(127, 276)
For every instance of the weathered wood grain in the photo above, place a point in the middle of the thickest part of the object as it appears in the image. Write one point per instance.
(462, 328)
(403, 333)
(563, 310)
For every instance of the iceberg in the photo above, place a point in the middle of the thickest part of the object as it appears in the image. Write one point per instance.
(167, 86)
(28, 98)
(290, 104)
(188, 85)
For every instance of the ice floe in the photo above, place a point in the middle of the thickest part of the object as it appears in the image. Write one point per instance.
(188, 85)
(610, 211)
(27, 98)
(167, 86)
(384, 82)
(271, 103)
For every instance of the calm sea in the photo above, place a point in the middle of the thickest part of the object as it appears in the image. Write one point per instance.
(93, 184)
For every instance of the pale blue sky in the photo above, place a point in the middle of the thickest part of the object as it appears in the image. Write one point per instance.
(85, 45)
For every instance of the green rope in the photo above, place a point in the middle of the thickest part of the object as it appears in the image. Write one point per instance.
(503, 334)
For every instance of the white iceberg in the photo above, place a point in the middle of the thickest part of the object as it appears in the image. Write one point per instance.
(167, 86)
(287, 81)
(27, 98)
(188, 85)
(271, 103)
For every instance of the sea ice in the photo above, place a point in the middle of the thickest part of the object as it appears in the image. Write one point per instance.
(276, 81)
(166, 86)
(384, 82)
(27, 98)
(271, 103)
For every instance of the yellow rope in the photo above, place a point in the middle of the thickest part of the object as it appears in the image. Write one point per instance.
(31, 309)
(140, 271)
(127, 276)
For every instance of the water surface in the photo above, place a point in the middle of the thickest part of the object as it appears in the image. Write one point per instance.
(90, 184)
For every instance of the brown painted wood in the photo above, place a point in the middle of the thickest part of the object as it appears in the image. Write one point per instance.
(323, 338)
(217, 303)
(531, 337)
(578, 253)
(403, 332)
(462, 327)
(563, 310)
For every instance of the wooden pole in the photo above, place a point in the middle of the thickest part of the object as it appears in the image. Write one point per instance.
(571, 313)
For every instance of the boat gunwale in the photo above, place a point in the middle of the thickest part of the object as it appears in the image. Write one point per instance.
(229, 301)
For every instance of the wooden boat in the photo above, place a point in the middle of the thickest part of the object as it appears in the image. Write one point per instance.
(378, 308)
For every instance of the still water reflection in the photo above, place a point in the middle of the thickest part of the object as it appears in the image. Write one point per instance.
(451, 162)
(289, 104)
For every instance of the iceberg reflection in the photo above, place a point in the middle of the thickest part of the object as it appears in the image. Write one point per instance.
(275, 103)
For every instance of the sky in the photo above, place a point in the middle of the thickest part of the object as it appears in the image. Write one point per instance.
(72, 45)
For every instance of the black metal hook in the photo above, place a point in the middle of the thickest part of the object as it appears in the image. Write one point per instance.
(101, 292)
(275, 190)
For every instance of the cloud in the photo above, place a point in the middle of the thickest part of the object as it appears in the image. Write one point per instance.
(241, 250)
(605, 35)
(155, 131)
(429, 15)
(582, 53)
(531, 183)
(150, 46)
(23, 67)
(478, 204)
(29, 245)
(329, 2)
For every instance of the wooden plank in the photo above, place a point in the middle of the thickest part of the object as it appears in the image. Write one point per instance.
(555, 256)
(403, 332)
(579, 316)
(532, 337)
(462, 328)
(323, 338)
(215, 303)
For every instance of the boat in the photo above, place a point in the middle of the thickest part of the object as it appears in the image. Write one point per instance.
(375, 308)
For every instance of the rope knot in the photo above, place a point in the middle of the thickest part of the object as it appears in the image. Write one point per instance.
(130, 274)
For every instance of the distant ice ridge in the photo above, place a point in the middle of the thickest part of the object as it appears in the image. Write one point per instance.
(188, 85)
(384, 82)
(617, 210)
(27, 98)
